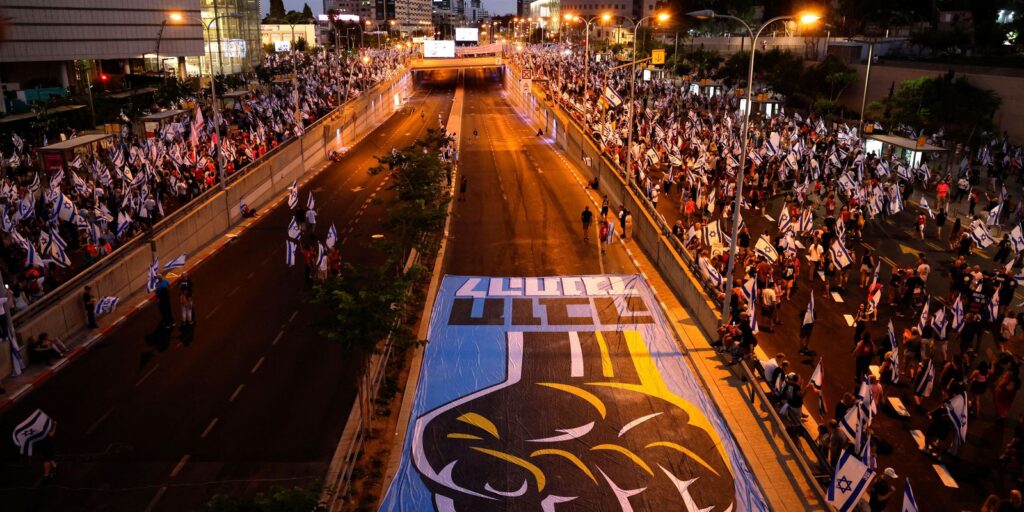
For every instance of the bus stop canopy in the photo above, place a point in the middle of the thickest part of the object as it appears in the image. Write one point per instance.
(907, 149)
(75, 142)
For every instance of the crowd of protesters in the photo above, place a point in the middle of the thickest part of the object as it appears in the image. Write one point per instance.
(685, 155)
(55, 224)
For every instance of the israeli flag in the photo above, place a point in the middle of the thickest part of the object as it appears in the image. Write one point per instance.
(750, 290)
(17, 364)
(690, 235)
(29, 432)
(909, 503)
(332, 237)
(122, 223)
(806, 221)
(321, 257)
(817, 382)
(32, 257)
(784, 220)
(866, 456)
(1017, 239)
(771, 144)
(612, 97)
(895, 200)
(712, 233)
(710, 273)
(809, 314)
(289, 253)
(178, 262)
(958, 315)
(840, 255)
(992, 311)
(927, 382)
(106, 305)
(924, 206)
(154, 275)
(993, 215)
(58, 256)
(939, 323)
(867, 402)
(310, 203)
(957, 409)
(922, 321)
(894, 354)
(293, 195)
(981, 235)
(852, 426)
(764, 247)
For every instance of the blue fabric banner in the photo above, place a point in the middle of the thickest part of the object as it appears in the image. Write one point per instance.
(562, 394)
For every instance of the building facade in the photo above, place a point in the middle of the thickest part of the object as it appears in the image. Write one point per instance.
(365, 9)
(233, 40)
(275, 33)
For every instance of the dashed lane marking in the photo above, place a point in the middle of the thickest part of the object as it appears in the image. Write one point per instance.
(96, 424)
(258, 364)
(235, 289)
(278, 337)
(146, 376)
(235, 394)
(156, 499)
(209, 428)
(212, 311)
(181, 465)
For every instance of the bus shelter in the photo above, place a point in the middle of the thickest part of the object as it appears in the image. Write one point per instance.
(149, 126)
(58, 155)
(911, 151)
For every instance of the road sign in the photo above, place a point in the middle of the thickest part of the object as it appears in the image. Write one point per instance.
(658, 56)
(527, 73)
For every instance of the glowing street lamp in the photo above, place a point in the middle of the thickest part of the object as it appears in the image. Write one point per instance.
(705, 14)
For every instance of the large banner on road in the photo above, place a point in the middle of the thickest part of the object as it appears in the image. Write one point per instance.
(562, 394)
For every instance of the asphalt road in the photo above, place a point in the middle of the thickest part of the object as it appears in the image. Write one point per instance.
(255, 398)
(521, 212)
(897, 243)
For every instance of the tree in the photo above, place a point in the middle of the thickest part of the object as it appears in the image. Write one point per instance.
(307, 12)
(301, 44)
(296, 499)
(276, 10)
(945, 101)
(829, 78)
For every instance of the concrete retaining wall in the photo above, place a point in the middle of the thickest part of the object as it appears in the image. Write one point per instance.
(126, 270)
(652, 234)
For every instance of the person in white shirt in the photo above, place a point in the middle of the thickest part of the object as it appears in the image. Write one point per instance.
(311, 219)
(814, 253)
(923, 269)
(1007, 329)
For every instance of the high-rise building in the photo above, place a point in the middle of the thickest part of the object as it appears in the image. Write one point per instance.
(365, 9)
(410, 17)
(233, 41)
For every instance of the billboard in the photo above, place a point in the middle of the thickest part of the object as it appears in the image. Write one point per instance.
(539, 391)
(282, 46)
(438, 49)
(467, 34)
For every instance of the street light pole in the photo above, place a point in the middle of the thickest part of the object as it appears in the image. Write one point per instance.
(738, 200)
(632, 93)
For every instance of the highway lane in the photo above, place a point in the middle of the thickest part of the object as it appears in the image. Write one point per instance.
(255, 398)
(521, 213)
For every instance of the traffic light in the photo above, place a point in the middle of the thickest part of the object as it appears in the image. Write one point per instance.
(104, 77)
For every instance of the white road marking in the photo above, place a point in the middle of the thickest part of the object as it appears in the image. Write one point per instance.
(146, 376)
(156, 499)
(209, 428)
(947, 479)
(258, 364)
(278, 337)
(235, 394)
(234, 290)
(849, 320)
(181, 465)
(212, 311)
(576, 357)
(294, 314)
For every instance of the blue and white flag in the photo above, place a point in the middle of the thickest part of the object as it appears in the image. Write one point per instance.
(866, 402)
(993, 215)
(840, 255)
(17, 363)
(289, 253)
(867, 453)
(785, 220)
(806, 221)
(310, 203)
(851, 480)
(958, 315)
(809, 314)
(927, 382)
(894, 354)
(750, 290)
(925, 207)
(922, 321)
(939, 323)
(293, 229)
(852, 425)
(909, 503)
(106, 305)
(154, 275)
(981, 235)
(122, 223)
(178, 262)
(713, 234)
(710, 273)
(764, 247)
(992, 310)
(332, 237)
(29, 432)
(1017, 239)
(293, 195)
(957, 409)
(321, 256)
(771, 144)
(817, 382)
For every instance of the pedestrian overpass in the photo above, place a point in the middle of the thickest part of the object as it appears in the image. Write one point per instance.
(468, 62)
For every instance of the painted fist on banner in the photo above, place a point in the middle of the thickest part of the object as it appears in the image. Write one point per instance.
(583, 421)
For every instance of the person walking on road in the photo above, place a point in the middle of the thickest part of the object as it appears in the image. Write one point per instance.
(462, 188)
(163, 297)
(187, 302)
(89, 301)
(628, 226)
(586, 217)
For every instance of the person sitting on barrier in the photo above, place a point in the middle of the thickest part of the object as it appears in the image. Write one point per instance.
(247, 212)
(45, 350)
(793, 401)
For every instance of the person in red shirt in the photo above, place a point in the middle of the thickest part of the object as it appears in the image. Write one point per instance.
(941, 194)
